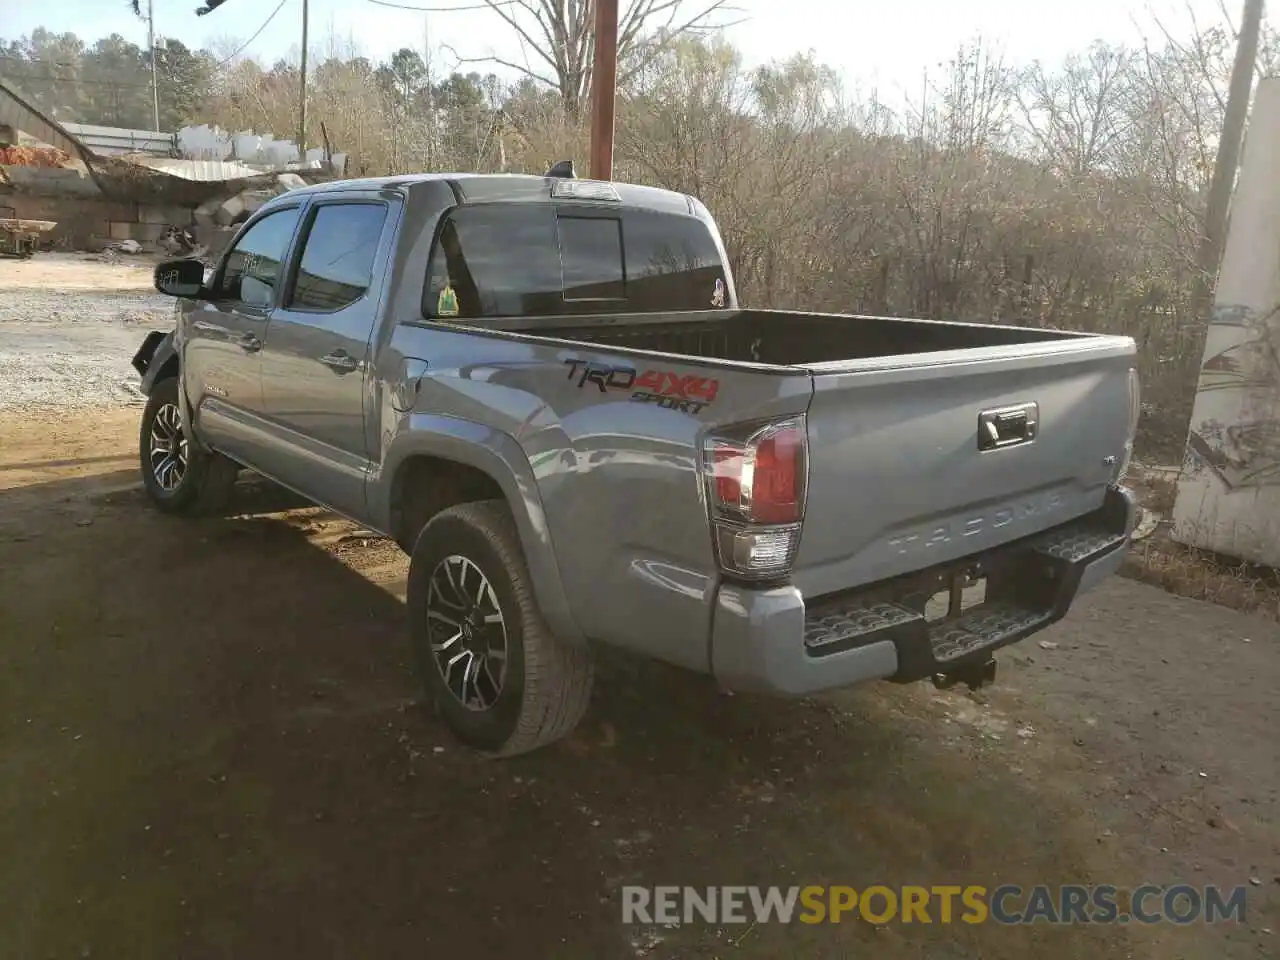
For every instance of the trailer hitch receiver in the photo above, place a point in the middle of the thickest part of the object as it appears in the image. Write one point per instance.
(974, 677)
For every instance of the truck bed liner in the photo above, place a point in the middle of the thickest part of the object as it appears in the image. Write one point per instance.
(785, 338)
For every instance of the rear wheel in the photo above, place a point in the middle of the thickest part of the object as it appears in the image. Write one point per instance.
(503, 683)
(179, 478)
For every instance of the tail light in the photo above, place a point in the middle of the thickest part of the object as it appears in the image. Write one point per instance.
(756, 479)
(1135, 413)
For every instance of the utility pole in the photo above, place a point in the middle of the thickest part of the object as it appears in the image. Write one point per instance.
(1227, 161)
(604, 83)
(150, 17)
(211, 5)
(155, 83)
(302, 89)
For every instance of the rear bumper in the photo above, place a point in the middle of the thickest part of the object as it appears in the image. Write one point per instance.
(768, 639)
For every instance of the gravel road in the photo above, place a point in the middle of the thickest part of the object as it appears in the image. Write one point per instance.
(69, 325)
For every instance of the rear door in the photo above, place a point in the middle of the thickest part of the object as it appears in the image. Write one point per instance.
(223, 336)
(317, 352)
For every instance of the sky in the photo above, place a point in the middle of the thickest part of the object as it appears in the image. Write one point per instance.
(885, 45)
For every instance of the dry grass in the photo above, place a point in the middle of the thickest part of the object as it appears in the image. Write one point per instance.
(1202, 575)
(1190, 571)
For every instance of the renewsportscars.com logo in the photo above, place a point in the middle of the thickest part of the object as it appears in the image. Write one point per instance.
(1007, 904)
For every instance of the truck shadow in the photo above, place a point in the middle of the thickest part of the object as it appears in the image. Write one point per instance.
(215, 748)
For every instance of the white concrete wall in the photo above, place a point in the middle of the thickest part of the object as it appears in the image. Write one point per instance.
(212, 143)
(202, 142)
(1229, 491)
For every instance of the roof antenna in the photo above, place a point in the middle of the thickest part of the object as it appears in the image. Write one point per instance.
(562, 169)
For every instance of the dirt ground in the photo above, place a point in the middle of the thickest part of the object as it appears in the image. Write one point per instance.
(211, 744)
(211, 747)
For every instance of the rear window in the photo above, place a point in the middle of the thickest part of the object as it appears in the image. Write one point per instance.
(495, 260)
(591, 258)
(533, 259)
(672, 264)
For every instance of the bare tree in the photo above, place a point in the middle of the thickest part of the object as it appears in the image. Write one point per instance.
(558, 36)
(975, 98)
(1075, 114)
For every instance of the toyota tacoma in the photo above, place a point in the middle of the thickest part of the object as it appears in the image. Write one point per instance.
(545, 390)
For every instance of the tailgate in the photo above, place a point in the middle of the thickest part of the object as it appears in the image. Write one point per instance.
(899, 479)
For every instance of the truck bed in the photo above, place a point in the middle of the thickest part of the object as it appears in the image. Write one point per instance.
(785, 338)
(901, 475)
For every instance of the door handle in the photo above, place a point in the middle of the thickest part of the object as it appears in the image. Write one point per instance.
(1008, 426)
(340, 361)
(249, 343)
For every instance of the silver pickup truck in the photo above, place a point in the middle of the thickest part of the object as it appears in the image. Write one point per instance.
(543, 388)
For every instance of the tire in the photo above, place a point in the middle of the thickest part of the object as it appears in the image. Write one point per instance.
(545, 686)
(203, 482)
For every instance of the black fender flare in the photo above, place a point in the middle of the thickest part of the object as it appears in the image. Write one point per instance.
(155, 359)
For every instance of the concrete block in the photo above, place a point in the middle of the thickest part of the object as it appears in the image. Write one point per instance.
(213, 238)
(288, 181)
(204, 214)
(229, 210)
(177, 216)
(120, 231)
(254, 199)
(148, 233)
(78, 233)
(118, 210)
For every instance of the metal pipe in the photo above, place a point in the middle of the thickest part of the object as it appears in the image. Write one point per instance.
(604, 81)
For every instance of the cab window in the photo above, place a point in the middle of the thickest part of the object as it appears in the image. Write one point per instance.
(337, 256)
(255, 266)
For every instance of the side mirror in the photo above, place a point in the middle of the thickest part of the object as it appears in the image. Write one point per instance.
(180, 278)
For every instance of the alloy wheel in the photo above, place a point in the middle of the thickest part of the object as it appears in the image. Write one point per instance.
(467, 632)
(168, 448)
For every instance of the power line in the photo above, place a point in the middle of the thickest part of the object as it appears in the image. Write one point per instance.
(221, 63)
(257, 33)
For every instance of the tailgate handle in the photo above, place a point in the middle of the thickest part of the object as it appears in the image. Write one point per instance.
(1007, 426)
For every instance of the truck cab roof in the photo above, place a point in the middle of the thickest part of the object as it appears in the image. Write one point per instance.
(509, 188)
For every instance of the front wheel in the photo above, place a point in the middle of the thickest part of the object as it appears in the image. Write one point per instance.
(502, 681)
(178, 477)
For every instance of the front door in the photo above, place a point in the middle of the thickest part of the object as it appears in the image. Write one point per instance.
(318, 354)
(225, 335)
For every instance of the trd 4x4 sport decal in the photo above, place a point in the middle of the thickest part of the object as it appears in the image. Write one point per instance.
(670, 390)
